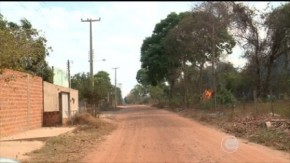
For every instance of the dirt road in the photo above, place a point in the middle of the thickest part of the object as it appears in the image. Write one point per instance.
(146, 134)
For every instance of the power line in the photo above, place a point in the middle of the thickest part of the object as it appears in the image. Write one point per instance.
(36, 10)
(44, 4)
(41, 4)
(23, 6)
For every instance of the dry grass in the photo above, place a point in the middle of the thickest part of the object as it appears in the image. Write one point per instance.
(87, 119)
(279, 107)
(245, 122)
(73, 146)
(273, 138)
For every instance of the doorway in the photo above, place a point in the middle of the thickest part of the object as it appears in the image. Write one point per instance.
(64, 106)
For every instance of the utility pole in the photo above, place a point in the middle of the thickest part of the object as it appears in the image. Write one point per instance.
(68, 73)
(91, 46)
(116, 85)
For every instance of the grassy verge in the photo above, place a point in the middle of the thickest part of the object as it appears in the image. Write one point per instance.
(73, 146)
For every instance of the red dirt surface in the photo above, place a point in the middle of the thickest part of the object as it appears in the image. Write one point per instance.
(146, 134)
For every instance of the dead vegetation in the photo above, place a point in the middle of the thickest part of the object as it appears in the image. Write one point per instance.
(263, 128)
(72, 146)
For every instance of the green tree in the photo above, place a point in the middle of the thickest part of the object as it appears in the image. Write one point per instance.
(196, 39)
(102, 86)
(247, 34)
(23, 48)
(278, 40)
(137, 95)
(156, 93)
(154, 61)
(119, 95)
(142, 77)
(80, 81)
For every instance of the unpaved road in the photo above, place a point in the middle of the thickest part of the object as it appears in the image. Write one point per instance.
(146, 134)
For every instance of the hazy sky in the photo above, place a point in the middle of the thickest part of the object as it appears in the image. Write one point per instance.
(116, 38)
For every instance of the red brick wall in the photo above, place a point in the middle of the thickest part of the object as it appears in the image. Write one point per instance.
(51, 119)
(21, 102)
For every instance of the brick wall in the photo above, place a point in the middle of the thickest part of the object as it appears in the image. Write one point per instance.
(51, 119)
(21, 102)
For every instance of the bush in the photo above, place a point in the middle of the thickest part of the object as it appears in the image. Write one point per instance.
(175, 102)
(225, 97)
(206, 104)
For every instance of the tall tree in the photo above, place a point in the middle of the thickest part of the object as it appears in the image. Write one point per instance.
(194, 41)
(102, 88)
(278, 39)
(23, 48)
(156, 64)
(246, 28)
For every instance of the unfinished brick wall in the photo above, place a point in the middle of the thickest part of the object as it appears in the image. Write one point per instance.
(51, 119)
(21, 102)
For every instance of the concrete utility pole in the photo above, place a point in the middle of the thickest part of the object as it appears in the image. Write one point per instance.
(91, 47)
(116, 85)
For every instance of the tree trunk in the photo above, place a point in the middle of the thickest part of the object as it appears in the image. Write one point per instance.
(171, 91)
(258, 75)
(286, 68)
(200, 79)
(268, 76)
(185, 85)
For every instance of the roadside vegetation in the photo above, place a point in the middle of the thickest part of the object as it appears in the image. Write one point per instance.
(24, 48)
(262, 128)
(97, 98)
(73, 146)
(183, 68)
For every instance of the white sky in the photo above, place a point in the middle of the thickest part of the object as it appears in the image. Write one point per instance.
(117, 37)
